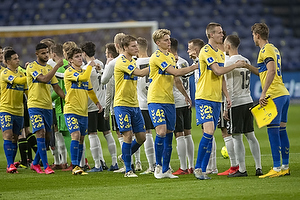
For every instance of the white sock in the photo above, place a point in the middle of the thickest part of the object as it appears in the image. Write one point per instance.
(230, 149)
(60, 141)
(255, 148)
(95, 147)
(190, 149)
(112, 148)
(82, 161)
(121, 140)
(212, 164)
(284, 167)
(137, 154)
(239, 149)
(149, 150)
(181, 150)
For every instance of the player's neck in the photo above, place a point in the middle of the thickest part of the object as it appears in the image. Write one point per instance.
(76, 67)
(233, 52)
(127, 55)
(213, 44)
(262, 43)
(143, 55)
(11, 68)
(41, 62)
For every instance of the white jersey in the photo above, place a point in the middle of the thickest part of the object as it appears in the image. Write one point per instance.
(143, 83)
(98, 88)
(238, 82)
(109, 70)
(178, 96)
(197, 71)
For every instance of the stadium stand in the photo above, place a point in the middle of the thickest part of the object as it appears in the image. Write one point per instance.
(186, 19)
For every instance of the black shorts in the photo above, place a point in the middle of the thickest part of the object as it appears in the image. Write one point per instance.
(183, 119)
(103, 124)
(54, 117)
(96, 122)
(147, 119)
(222, 123)
(114, 125)
(26, 114)
(241, 119)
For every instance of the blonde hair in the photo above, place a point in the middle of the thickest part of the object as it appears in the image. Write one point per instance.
(160, 33)
(210, 28)
(118, 38)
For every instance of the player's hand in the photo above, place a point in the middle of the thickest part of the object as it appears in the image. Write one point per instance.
(240, 63)
(59, 63)
(97, 66)
(229, 103)
(263, 101)
(225, 115)
(92, 63)
(99, 107)
(26, 64)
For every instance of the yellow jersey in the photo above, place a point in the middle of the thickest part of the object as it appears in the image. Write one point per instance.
(77, 92)
(268, 53)
(12, 93)
(209, 86)
(39, 95)
(125, 83)
(161, 83)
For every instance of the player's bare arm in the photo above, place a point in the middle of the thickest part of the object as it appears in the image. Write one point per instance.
(269, 79)
(182, 71)
(58, 91)
(47, 77)
(218, 71)
(141, 72)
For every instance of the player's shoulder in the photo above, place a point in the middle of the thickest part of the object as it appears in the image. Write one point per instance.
(181, 63)
(99, 62)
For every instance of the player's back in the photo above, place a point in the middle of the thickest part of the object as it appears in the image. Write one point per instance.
(238, 82)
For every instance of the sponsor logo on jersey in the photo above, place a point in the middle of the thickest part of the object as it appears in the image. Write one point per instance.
(210, 60)
(10, 78)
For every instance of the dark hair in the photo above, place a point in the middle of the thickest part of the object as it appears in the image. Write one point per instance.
(58, 50)
(234, 40)
(41, 46)
(8, 54)
(174, 44)
(111, 48)
(89, 48)
(72, 52)
(126, 40)
(262, 29)
(197, 42)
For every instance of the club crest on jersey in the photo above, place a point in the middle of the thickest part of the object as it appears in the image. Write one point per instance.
(76, 74)
(130, 67)
(210, 60)
(10, 78)
(164, 64)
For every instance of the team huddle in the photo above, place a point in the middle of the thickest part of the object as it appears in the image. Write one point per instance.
(141, 93)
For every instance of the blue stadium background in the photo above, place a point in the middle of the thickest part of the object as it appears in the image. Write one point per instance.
(186, 19)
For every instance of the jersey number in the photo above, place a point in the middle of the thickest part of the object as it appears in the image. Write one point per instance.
(245, 79)
(278, 65)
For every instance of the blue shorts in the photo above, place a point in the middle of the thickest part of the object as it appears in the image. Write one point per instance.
(163, 113)
(207, 111)
(129, 118)
(282, 104)
(41, 119)
(14, 122)
(77, 123)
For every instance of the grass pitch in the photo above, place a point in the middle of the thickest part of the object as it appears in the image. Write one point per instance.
(108, 185)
